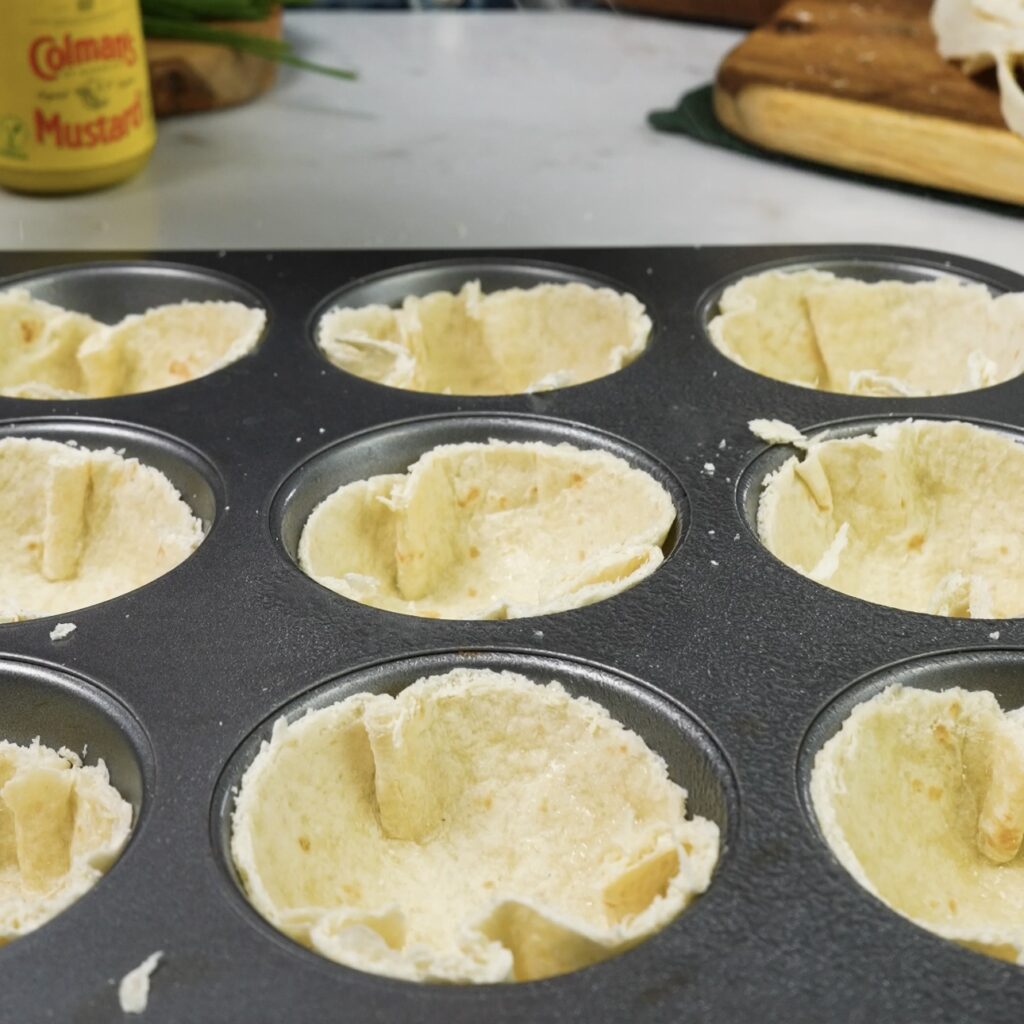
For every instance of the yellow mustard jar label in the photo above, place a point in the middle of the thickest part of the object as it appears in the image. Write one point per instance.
(74, 87)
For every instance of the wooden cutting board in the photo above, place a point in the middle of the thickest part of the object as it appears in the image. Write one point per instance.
(861, 86)
(732, 12)
(186, 77)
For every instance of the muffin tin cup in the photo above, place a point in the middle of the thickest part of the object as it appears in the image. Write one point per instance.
(195, 479)
(871, 265)
(390, 287)
(997, 670)
(771, 458)
(43, 701)
(207, 656)
(693, 757)
(109, 291)
(394, 447)
(63, 709)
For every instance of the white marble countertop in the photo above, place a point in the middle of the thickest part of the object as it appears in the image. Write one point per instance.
(483, 129)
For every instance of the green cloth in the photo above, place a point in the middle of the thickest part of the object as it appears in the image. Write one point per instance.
(694, 115)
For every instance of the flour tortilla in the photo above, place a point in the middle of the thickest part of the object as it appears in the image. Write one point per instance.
(983, 33)
(773, 431)
(478, 827)
(50, 353)
(889, 338)
(490, 531)
(762, 324)
(78, 527)
(168, 345)
(508, 342)
(61, 827)
(38, 343)
(904, 796)
(921, 515)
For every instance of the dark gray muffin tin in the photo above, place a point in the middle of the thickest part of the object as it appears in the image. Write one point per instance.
(732, 666)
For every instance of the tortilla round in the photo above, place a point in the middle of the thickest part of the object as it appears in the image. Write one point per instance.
(921, 797)
(62, 824)
(50, 353)
(490, 531)
(982, 34)
(889, 338)
(78, 527)
(508, 342)
(921, 515)
(478, 827)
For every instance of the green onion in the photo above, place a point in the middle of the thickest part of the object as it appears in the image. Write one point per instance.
(208, 10)
(186, 19)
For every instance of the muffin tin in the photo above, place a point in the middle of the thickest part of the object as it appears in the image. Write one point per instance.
(725, 660)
